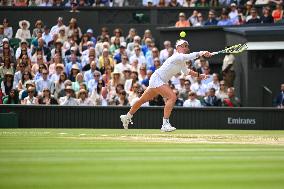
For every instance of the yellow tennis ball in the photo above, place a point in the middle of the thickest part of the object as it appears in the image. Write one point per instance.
(182, 34)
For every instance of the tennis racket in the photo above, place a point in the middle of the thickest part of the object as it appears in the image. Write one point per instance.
(233, 49)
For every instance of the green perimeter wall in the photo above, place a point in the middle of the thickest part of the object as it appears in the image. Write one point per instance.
(146, 118)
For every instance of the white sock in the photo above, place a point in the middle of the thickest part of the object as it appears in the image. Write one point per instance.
(165, 121)
(129, 115)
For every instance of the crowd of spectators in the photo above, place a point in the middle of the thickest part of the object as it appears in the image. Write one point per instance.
(233, 15)
(67, 66)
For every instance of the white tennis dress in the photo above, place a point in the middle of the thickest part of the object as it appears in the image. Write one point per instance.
(172, 66)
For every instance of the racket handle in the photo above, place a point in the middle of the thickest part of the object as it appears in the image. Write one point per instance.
(214, 53)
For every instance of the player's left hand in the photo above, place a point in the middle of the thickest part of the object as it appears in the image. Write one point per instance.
(206, 54)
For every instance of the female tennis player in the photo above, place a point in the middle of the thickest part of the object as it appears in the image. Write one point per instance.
(158, 83)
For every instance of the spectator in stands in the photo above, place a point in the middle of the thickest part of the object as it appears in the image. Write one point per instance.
(73, 72)
(46, 98)
(2, 35)
(44, 82)
(33, 3)
(30, 99)
(83, 99)
(23, 33)
(34, 42)
(122, 100)
(120, 52)
(262, 2)
(142, 72)
(145, 81)
(92, 84)
(38, 27)
(84, 43)
(193, 18)
(222, 92)
(7, 67)
(123, 65)
(174, 3)
(206, 71)
(200, 20)
(6, 52)
(46, 3)
(254, 18)
(117, 33)
(78, 81)
(20, 3)
(7, 83)
(247, 9)
(212, 99)
(73, 28)
(44, 49)
(148, 34)
(131, 34)
(199, 88)
(24, 93)
(139, 92)
(133, 93)
(182, 22)
(115, 45)
(279, 100)
(179, 101)
(202, 3)
(46, 36)
(211, 21)
(96, 95)
(128, 86)
(60, 85)
(12, 98)
(19, 74)
(131, 45)
(184, 93)
(58, 3)
(214, 83)
(192, 101)
(105, 60)
(232, 100)
(138, 56)
(181, 86)
(88, 75)
(189, 3)
(225, 20)
(233, 15)
(54, 76)
(70, 64)
(104, 34)
(157, 64)
(90, 34)
(164, 54)
(8, 30)
(277, 13)
(26, 76)
(69, 99)
(55, 29)
(6, 3)
(74, 7)
(151, 56)
(266, 17)
(23, 49)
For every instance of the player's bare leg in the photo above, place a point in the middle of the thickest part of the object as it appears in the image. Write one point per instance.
(167, 93)
(148, 94)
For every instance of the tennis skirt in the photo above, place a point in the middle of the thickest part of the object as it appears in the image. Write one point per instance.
(155, 81)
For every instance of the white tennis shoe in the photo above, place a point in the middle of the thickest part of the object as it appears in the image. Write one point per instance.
(125, 121)
(167, 127)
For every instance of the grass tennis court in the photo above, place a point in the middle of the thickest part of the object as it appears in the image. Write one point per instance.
(140, 159)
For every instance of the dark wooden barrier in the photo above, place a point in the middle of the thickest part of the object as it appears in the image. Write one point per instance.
(146, 118)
